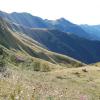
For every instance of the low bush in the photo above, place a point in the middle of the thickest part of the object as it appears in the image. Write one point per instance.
(40, 66)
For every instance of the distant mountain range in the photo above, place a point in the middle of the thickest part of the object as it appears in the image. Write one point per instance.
(93, 30)
(26, 19)
(37, 37)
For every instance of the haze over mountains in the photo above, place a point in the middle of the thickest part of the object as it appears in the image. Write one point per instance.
(92, 29)
(61, 36)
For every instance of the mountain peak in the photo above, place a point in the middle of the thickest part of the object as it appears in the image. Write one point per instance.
(16, 13)
(62, 19)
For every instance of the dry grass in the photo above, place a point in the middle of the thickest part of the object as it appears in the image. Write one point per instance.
(60, 84)
(29, 78)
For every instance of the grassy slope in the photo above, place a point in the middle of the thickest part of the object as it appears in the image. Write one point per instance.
(35, 79)
(44, 75)
(18, 41)
(63, 43)
(58, 84)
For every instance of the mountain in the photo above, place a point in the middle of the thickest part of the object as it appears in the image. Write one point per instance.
(26, 19)
(30, 70)
(65, 26)
(93, 30)
(84, 50)
(18, 41)
(25, 65)
(53, 39)
(53, 36)
(57, 41)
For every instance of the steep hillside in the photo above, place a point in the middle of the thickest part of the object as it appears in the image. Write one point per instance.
(19, 42)
(52, 38)
(64, 43)
(25, 77)
(84, 50)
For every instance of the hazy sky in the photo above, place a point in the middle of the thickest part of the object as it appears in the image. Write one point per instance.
(77, 11)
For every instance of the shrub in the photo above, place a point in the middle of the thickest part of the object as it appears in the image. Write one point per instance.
(2, 66)
(13, 58)
(1, 51)
(37, 66)
(77, 64)
(45, 67)
(2, 61)
(40, 66)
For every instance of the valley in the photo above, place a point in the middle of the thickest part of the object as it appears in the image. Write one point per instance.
(47, 59)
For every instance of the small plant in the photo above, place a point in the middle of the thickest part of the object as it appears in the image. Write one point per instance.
(37, 66)
(1, 51)
(12, 58)
(2, 61)
(77, 64)
(45, 67)
(40, 66)
(2, 66)
(50, 98)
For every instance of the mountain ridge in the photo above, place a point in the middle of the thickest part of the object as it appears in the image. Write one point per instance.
(31, 21)
(19, 42)
(32, 65)
(55, 40)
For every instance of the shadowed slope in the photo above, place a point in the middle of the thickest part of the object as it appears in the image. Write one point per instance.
(64, 43)
(18, 41)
